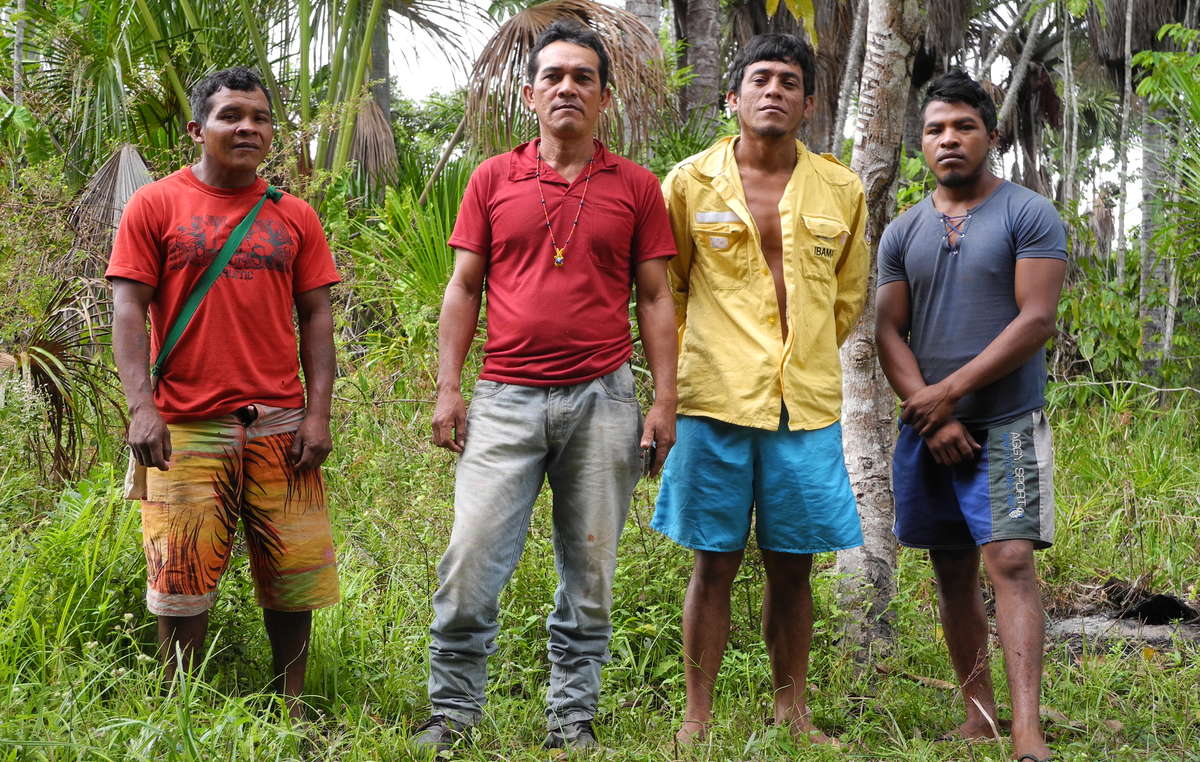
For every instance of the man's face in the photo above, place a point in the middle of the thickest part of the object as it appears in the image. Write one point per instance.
(772, 101)
(566, 92)
(955, 142)
(237, 132)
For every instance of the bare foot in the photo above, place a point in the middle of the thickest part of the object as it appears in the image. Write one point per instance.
(803, 730)
(692, 732)
(975, 730)
(1030, 744)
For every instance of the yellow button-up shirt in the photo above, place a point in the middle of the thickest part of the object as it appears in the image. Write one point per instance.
(734, 364)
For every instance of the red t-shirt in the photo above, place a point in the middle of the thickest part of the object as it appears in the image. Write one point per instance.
(240, 346)
(551, 325)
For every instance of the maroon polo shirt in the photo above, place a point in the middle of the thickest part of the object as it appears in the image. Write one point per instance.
(550, 325)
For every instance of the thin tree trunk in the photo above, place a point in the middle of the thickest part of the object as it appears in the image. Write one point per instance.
(1122, 142)
(1153, 269)
(381, 85)
(455, 139)
(346, 129)
(1018, 74)
(164, 60)
(264, 63)
(1168, 342)
(854, 64)
(868, 582)
(1070, 190)
(18, 55)
(985, 68)
(702, 93)
(649, 11)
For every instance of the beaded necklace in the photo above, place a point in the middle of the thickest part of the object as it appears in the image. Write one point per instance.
(558, 250)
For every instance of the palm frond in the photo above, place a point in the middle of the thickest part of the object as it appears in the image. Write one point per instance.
(946, 28)
(99, 207)
(496, 117)
(56, 358)
(374, 147)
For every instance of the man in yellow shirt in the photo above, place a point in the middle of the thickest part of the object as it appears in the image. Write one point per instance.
(768, 282)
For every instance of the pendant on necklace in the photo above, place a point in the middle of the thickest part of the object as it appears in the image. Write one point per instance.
(558, 256)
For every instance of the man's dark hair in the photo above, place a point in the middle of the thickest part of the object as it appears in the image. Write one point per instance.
(956, 86)
(233, 78)
(787, 48)
(565, 30)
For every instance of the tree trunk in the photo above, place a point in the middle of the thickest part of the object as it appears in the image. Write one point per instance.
(649, 11)
(381, 83)
(1070, 190)
(701, 26)
(18, 55)
(868, 584)
(850, 75)
(1022, 66)
(1122, 142)
(985, 68)
(1153, 267)
(834, 22)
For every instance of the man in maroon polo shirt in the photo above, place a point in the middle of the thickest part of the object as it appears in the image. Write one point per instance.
(562, 229)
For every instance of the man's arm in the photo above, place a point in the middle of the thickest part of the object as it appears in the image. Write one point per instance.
(148, 437)
(949, 444)
(1037, 285)
(456, 328)
(679, 266)
(656, 323)
(313, 440)
(892, 316)
(852, 269)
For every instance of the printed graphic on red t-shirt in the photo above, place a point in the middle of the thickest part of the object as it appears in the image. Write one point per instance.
(267, 246)
(240, 346)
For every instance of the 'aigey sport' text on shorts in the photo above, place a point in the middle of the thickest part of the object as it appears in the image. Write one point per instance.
(1006, 493)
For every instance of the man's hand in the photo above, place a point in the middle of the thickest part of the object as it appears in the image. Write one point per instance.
(952, 444)
(928, 408)
(450, 420)
(312, 443)
(659, 429)
(149, 438)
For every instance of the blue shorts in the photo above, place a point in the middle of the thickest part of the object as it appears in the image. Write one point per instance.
(1006, 493)
(795, 481)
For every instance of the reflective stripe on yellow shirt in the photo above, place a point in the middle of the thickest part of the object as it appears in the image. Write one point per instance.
(734, 364)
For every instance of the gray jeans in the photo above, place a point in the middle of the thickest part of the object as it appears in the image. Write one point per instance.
(584, 438)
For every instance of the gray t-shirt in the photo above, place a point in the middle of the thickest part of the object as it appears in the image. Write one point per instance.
(961, 301)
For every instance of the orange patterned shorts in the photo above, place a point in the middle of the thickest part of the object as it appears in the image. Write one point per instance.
(230, 470)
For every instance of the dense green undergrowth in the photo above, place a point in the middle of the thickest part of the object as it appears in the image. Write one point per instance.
(78, 681)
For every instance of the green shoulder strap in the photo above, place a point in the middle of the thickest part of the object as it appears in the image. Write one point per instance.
(207, 280)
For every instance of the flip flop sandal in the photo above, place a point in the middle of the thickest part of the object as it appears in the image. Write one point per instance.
(1024, 757)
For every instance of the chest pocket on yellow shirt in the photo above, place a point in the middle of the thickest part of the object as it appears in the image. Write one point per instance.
(820, 255)
(723, 255)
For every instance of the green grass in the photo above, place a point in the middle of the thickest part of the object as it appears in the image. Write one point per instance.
(78, 681)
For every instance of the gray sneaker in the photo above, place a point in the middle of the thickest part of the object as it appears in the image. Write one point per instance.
(573, 735)
(439, 733)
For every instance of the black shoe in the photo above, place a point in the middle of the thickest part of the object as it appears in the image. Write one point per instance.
(440, 732)
(573, 735)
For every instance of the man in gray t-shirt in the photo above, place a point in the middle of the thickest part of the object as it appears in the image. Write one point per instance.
(968, 289)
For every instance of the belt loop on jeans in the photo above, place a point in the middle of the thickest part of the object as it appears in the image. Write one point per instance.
(246, 415)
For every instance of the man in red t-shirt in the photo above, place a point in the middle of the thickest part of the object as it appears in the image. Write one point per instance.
(225, 431)
(562, 228)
